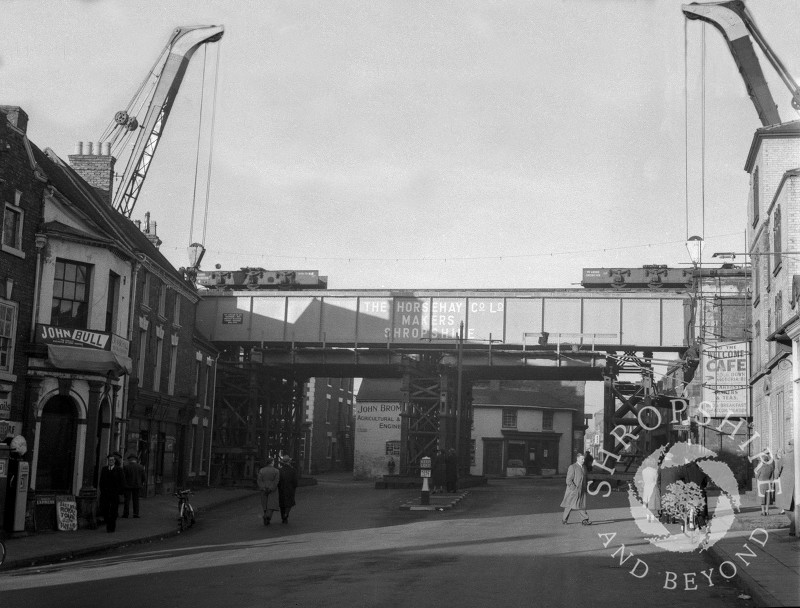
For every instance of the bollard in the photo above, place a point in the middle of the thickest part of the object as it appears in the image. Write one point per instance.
(425, 473)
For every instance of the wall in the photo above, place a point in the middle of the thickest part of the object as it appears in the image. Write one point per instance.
(377, 422)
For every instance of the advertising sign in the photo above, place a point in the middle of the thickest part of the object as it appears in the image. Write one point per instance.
(725, 378)
(84, 338)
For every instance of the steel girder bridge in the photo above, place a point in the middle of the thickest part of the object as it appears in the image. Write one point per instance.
(439, 342)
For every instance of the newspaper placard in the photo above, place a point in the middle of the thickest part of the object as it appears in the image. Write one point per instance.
(66, 512)
(725, 377)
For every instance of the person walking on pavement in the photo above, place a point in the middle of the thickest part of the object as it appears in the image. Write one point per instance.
(287, 484)
(765, 474)
(451, 470)
(134, 482)
(784, 494)
(268, 477)
(111, 485)
(575, 494)
(588, 460)
(439, 472)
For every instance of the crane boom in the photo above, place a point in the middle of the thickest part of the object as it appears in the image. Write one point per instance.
(181, 46)
(733, 20)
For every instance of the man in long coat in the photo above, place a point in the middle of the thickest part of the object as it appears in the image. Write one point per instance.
(575, 494)
(268, 477)
(784, 493)
(111, 485)
(287, 485)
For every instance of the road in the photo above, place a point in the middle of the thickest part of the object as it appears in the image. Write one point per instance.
(349, 545)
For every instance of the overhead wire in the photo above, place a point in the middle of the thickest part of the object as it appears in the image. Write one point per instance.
(211, 143)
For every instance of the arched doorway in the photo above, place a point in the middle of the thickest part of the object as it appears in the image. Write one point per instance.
(58, 432)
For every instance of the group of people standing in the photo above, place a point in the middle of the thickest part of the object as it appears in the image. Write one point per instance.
(277, 480)
(775, 484)
(118, 480)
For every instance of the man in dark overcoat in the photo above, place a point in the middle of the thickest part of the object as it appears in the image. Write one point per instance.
(287, 484)
(575, 494)
(784, 491)
(111, 485)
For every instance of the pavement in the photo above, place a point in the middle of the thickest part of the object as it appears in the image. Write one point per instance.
(771, 577)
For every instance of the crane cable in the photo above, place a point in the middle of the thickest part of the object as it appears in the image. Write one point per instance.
(210, 152)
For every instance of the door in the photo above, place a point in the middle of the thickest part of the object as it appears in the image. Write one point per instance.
(58, 434)
(493, 458)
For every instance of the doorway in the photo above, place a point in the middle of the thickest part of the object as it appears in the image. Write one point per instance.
(58, 433)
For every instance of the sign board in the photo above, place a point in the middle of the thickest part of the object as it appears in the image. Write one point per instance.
(725, 378)
(66, 512)
(232, 318)
(425, 473)
(84, 338)
(9, 428)
(5, 408)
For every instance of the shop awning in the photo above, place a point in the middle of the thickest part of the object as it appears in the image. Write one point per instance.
(88, 359)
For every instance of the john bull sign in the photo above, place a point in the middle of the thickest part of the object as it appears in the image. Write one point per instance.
(725, 378)
(84, 338)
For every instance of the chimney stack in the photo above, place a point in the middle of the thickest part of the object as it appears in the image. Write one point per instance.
(94, 163)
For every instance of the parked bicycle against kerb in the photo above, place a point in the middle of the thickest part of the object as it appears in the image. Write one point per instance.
(185, 510)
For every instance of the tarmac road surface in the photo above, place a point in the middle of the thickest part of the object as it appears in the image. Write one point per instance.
(349, 545)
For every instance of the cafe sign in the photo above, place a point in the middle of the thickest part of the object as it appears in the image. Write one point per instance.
(83, 338)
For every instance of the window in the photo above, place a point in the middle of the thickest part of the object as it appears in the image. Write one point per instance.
(776, 238)
(13, 217)
(756, 277)
(142, 353)
(767, 259)
(70, 295)
(7, 331)
(111, 303)
(198, 366)
(778, 310)
(755, 196)
(146, 290)
(162, 300)
(547, 420)
(393, 448)
(509, 418)
(173, 362)
(159, 358)
(327, 409)
(176, 310)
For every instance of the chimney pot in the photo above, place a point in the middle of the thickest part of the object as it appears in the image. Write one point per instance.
(106, 148)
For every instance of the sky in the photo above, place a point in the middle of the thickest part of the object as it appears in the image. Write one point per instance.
(423, 144)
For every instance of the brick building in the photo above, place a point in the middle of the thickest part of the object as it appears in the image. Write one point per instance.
(22, 188)
(773, 232)
(328, 437)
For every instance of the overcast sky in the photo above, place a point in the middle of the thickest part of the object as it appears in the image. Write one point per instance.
(417, 144)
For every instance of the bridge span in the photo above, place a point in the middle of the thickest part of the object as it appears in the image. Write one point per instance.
(521, 333)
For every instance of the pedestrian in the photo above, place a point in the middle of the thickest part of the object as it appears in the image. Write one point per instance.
(451, 470)
(134, 482)
(287, 484)
(651, 494)
(692, 473)
(268, 477)
(588, 459)
(438, 471)
(111, 485)
(575, 494)
(784, 495)
(765, 475)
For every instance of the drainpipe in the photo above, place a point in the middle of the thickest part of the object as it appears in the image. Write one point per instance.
(211, 427)
(41, 242)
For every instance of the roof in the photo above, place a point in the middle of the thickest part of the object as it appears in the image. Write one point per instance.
(383, 389)
(786, 129)
(123, 234)
(547, 394)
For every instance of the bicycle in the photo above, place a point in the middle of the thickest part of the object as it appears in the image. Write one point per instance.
(185, 510)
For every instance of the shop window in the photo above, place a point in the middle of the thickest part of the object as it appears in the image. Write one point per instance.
(509, 418)
(70, 295)
(547, 420)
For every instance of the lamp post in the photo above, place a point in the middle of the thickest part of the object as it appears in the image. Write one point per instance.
(694, 245)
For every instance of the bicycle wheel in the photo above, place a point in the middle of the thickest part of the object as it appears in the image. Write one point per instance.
(191, 515)
(2, 552)
(186, 519)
